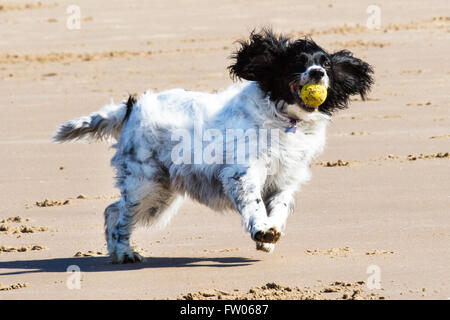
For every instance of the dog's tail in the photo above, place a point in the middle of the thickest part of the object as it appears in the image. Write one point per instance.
(100, 125)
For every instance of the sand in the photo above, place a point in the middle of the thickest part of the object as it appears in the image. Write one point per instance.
(337, 290)
(378, 200)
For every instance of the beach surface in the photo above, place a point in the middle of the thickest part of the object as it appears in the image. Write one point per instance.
(374, 225)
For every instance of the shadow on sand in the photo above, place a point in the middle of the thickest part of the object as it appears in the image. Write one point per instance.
(103, 264)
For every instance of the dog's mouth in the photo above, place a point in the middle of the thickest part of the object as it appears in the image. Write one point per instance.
(296, 91)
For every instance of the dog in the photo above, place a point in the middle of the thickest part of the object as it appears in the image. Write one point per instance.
(156, 169)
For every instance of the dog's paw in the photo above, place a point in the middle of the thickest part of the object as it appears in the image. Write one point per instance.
(126, 257)
(271, 235)
(266, 247)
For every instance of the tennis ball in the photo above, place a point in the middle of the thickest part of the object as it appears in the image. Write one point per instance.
(313, 94)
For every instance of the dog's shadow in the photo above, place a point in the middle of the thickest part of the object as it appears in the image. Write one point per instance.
(103, 264)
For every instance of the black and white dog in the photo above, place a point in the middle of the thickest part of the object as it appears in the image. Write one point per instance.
(160, 158)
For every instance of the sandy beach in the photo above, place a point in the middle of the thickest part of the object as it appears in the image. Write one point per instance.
(378, 201)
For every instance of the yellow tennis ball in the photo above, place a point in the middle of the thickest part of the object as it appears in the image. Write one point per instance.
(314, 94)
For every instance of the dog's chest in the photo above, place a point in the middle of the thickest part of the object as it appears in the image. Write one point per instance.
(289, 163)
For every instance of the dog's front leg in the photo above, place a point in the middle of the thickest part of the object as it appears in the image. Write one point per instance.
(279, 206)
(244, 189)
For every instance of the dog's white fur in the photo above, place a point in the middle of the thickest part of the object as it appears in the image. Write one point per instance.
(153, 186)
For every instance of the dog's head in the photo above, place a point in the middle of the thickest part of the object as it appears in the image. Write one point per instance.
(283, 66)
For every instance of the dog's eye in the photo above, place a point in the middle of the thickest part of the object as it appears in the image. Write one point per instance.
(327, 64)
(302, 59)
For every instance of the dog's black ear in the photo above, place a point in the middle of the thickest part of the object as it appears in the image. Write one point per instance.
(256, 58)
(353, 75)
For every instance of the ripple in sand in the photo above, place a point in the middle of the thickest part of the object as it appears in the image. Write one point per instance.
(21, 229)
(52, 203)
(338, 163)
(337, 290)
(333, 252)
(444, 136)
(21, 249)
(439, 155)
(13, 286)
(16, 219)
(26, 6)
(89, 253)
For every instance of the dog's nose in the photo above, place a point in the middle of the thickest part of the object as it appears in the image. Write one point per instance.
(316, 74)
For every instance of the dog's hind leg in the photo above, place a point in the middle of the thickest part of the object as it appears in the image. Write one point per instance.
(111, 217)
(158, 211)
(155, 207)
(119, 223)
(122, 216)
(146, 196)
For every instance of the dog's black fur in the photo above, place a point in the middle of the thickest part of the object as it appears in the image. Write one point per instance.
(274, 61)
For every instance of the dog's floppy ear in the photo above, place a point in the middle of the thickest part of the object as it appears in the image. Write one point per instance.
(256, 58)
(352, 74)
